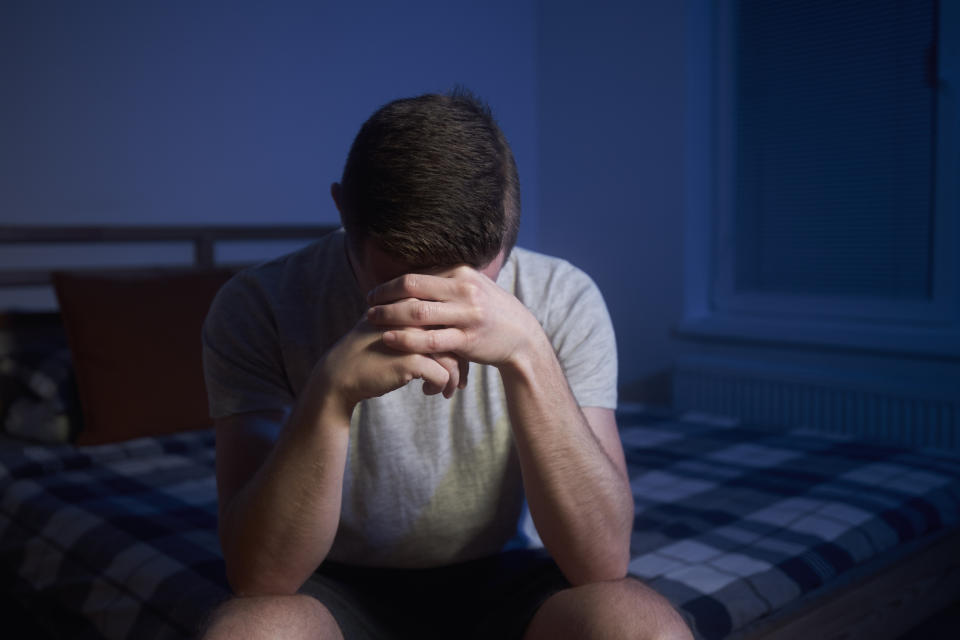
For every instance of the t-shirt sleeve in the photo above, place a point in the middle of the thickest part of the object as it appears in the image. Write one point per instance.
(582, 335)
(242, 364)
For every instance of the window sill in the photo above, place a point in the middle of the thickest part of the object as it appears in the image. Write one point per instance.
(936, 343)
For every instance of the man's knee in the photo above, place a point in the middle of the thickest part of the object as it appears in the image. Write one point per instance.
(287, 617)
(615, 609)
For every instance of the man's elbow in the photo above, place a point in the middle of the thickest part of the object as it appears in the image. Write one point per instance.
(249, 575)
(604, 567)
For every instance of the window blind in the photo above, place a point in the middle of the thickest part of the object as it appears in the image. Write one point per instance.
(834, 147)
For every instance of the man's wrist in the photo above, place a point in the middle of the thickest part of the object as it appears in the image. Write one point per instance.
(330, 404)
(532, 359)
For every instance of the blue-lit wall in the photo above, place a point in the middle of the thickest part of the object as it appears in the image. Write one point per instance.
(183, 111)
(241, 112)
(611, 108)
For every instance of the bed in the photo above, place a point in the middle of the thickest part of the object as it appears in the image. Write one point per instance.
(108, 501)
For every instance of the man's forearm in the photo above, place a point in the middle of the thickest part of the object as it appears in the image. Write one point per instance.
(579, 498)
(280, 526)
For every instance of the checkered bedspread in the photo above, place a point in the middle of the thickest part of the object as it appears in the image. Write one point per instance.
(115, 541)
(732, 523)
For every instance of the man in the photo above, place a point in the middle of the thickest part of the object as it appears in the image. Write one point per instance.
(356, 504)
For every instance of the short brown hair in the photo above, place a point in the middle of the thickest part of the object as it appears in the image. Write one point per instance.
(432, 181)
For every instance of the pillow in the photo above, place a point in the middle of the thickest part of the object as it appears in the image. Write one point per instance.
(38, 395)
(135, 342)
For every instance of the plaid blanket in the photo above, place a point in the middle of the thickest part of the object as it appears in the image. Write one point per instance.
(732, 523)
(113, 541)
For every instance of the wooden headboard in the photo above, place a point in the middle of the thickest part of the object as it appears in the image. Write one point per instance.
(202, 238)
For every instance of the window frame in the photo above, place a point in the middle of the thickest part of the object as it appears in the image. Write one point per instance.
(713, 308)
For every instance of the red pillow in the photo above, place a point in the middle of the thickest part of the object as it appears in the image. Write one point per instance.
(135, 342)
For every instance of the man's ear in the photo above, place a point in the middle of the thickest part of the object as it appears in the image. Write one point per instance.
(337, 192)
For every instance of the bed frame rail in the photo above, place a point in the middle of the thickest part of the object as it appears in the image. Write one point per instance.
(203, 239)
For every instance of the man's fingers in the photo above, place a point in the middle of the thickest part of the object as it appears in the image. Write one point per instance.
(452, 365)
(430, 389)
(434, 375)
(414, 312)
(413, 285)
(464, 371)
(425, 341)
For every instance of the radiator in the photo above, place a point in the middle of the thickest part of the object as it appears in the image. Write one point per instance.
(857, 404)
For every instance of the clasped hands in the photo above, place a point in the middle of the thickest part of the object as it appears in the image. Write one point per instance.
(429, 326)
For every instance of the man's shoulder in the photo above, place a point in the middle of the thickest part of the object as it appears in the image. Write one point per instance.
(549, 273)
(288, 275)
(283, 293)
(312, 260)
(570, 308)
(529, 256)
(551, 287)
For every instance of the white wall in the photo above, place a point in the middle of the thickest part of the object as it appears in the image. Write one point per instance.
(176, 112)
(219, 112)
(611, 94)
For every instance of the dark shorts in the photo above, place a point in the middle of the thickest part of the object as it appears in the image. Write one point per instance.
(492, 597)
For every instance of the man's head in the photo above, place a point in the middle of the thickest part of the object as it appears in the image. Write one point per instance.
(431, 182)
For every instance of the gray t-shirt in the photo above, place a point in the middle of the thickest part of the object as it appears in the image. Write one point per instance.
(429, 481)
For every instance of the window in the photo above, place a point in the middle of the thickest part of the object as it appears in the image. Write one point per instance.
(822, 171)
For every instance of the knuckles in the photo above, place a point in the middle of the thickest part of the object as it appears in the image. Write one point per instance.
(463, 270)
(469, 292)
(421, 311)
(478, 314)
(409, 283)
